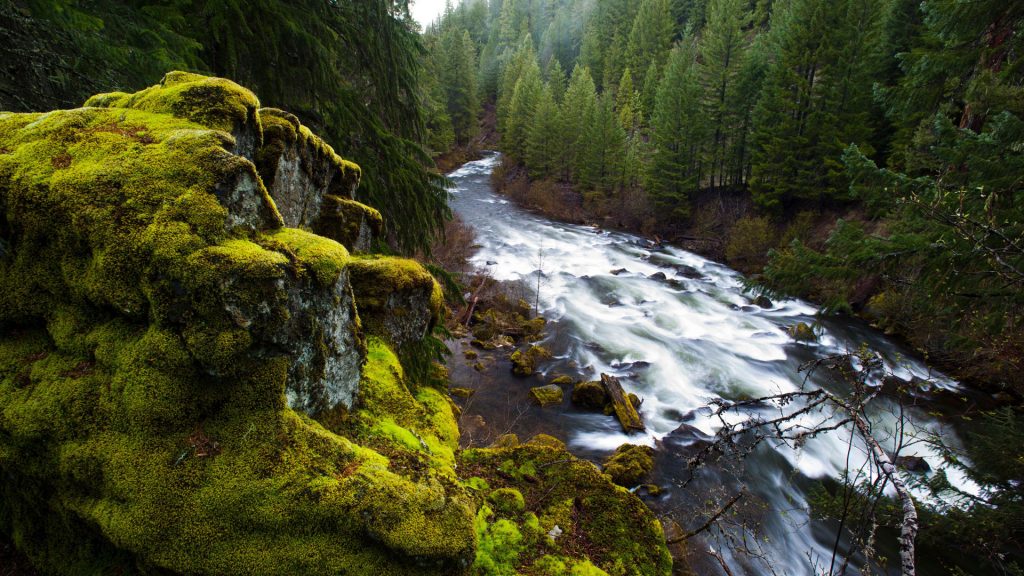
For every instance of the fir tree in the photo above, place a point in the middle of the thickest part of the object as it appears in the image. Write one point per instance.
(522, 108)
(544, 139)
(677, 128)
(650, 37)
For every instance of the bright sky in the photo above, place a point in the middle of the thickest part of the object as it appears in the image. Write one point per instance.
(425, 11)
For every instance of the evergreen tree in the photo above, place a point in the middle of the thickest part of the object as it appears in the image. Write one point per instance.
(460, 79)
(544, 141)
(813, 102)
(723, 51)
(577, 112)
(555, 77)
(678, 128)
(602, 154)
(526, 97)
(650, 37)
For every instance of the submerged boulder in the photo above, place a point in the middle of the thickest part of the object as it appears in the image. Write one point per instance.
(165, 340)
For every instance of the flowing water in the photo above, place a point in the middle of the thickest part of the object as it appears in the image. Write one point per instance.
(680, 341)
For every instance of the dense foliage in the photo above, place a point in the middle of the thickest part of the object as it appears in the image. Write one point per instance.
(349, 69)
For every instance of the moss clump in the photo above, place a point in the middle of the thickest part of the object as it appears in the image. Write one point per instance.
(398, 299)
(630, 464)
(562, 380)
(524, 362)
(153, 313)
(603, 528)
(590, 395)
(352, 223)
(546, 395)
(212, 102)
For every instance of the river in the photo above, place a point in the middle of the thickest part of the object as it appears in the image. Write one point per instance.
(680, 342)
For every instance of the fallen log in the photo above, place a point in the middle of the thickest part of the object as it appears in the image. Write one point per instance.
(624, 409)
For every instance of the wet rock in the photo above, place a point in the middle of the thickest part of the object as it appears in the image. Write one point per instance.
(658, 276)
(397, 298)
(619, 271)
(630, 464)
(461, 392)
(915, 464)
(352, 223)
(763, 301)
(590, 395)
(492, 263)
(802, 332)
(546, 441)
(546, 395)
(470, 354)
(562, 380)
(524, 362)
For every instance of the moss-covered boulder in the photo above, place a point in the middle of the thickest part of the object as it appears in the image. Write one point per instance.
(313, 187)
(630, 464)
(398, 300)
(546, 395)
(590, 395)
(802, 332)
(164, 340)
(524, 362)
(572, 519)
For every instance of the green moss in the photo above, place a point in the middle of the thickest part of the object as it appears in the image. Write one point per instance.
(617, 531)
(591, 395)
(630, 464)
(562, 380)
(546, 395)
(213, 102)
(281, 131)
(324, 258)
(507, 501)
(524, 362)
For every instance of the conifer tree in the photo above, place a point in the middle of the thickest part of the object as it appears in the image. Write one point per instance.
(650, 37)
(723, 50)
(678, 128)
(602, 155)
(544, 141)
(522, 108)
(577, 111)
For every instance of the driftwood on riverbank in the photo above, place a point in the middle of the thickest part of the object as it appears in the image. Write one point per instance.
(624, 409)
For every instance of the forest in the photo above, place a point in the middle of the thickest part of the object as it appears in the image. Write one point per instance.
(863, 153)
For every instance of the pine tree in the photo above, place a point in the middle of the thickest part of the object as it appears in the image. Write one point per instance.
(544, 142)
(555, 77)
(650, 38)
(577, 111)
(723, 51)
(460, 80)
(603, 149)
(523, 106)
(677, 127)
(813, 102)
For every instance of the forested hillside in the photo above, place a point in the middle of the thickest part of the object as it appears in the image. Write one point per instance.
(864, 153)
(350, 70)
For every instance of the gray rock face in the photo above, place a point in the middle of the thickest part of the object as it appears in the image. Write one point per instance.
(398, 300)
(246, 202)
(300, 170)
(320, 337)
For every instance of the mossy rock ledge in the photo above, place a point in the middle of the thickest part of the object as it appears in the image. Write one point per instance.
(196, 374)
